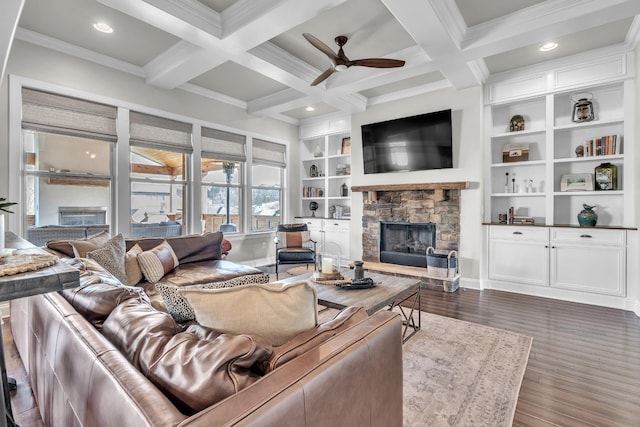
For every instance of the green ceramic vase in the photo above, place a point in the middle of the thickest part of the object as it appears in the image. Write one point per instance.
(587, 217)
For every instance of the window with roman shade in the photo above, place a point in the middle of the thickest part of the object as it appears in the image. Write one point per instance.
(269, 162)
(160, 150)
(67, 144)
(222, 164)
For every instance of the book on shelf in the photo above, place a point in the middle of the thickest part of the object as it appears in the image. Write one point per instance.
(520, 219)
(312, 192)
(603, 146)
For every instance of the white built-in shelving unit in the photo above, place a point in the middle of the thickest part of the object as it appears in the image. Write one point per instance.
(556, 257)
(321, 148)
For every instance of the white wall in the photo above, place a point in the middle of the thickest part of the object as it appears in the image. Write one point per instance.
(466, 106)
(34, 62)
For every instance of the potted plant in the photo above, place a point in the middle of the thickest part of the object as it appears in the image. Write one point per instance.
(4, 205)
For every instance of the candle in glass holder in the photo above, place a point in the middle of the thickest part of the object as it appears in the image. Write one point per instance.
(327, 265)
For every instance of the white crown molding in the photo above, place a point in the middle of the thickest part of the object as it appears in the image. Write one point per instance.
(243, 12)
(282, 59)
(479, 69)
(192, 12)
(212, 94)
(451, 18)
(78, 52)
(633, 35)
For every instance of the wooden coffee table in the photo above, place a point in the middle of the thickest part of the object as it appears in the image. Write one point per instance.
(389, 292)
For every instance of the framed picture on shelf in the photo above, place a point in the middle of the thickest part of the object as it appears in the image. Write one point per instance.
(577, 182)
(346, 145)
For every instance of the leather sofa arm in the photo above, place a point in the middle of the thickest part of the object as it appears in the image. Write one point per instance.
(358, 368)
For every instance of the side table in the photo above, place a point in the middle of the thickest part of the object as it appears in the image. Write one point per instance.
(58, 277)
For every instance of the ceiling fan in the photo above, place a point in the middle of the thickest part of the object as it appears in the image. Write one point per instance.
(341, 62)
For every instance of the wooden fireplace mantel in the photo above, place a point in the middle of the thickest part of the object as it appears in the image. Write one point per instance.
(458, 185)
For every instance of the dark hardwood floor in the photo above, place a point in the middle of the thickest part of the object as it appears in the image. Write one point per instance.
(583, 370)
(584, 365)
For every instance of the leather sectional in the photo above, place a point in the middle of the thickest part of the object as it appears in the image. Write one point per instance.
(104, 355)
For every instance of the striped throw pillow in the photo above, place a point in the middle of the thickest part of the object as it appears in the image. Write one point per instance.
(157, 262)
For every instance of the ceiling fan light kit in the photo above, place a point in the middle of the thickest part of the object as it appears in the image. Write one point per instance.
(341, 62)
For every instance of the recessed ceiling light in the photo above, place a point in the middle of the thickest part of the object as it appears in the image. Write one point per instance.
(309, 108)
(548, 46)
(103, 27)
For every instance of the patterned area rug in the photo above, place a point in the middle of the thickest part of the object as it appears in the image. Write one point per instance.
(458, 373)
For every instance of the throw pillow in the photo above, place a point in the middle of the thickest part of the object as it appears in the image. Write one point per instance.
(277, 311)
(131, 266)
(157, 262)
(294, 239)
(111, 257)
(180, 308)
(81, 247)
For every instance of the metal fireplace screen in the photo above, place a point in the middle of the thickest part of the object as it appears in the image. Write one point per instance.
(406, 243)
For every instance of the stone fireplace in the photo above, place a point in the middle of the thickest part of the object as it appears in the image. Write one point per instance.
(437, 204)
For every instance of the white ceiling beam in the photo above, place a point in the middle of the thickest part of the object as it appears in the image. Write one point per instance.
(438, 28)
(11, 11)
(183, 59)
(332, 91)
(249, 23)
(245, 25)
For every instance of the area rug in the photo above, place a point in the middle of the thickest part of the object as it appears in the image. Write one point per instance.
(458, 373)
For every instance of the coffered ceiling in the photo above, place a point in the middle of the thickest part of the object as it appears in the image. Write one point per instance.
(251, 54)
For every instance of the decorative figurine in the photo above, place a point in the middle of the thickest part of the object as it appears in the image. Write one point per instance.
(580, 151)
(582, 108)
(516, 124)
(313, 207)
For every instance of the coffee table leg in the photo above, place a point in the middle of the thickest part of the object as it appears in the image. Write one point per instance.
(407, 319)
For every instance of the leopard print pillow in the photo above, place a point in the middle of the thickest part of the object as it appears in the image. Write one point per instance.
(182, 311)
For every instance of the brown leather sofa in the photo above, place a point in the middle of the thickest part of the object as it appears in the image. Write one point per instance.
(102, 355)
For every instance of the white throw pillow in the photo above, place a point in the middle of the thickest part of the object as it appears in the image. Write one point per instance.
(275, 311)
(131, 266)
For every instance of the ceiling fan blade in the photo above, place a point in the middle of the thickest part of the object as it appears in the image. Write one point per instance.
(318, 44)
(322, 77)
(377, 63)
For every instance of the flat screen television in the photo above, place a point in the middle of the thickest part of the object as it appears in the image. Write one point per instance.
(408, 144)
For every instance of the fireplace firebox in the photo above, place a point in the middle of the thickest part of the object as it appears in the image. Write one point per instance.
(406, 243)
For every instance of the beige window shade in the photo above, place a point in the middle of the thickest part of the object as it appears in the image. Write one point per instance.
(223, 145)
(154, 132)
(270, 153)
(49, 112)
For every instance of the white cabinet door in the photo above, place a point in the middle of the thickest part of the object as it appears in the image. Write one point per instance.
(519, 261)
(338, 232)
(589, 268)
(315, 229)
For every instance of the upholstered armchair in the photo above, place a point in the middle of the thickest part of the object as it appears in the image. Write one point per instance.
(294, 246)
